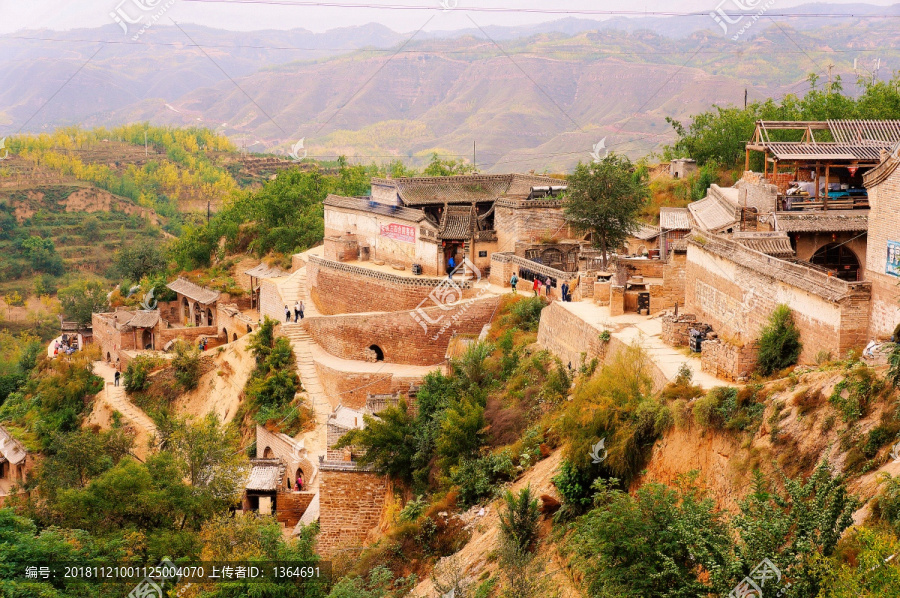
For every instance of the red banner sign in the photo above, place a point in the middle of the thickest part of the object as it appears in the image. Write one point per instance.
(399, 232)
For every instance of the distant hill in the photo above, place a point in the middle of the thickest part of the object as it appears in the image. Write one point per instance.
(528, 98)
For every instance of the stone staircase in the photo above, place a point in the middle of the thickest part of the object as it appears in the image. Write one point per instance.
(117, 400)
(295, 288)
(315, 441)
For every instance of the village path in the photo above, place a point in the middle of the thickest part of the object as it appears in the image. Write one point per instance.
(116, 399)
(646, 331)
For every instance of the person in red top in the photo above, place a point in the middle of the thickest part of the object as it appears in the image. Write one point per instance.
(536, 287)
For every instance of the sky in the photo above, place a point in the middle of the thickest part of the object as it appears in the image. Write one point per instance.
(399, 15)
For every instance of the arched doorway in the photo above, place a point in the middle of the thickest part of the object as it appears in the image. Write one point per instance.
(146, 339)
(198, 315)
(379, 354)
(108, 358)
(838, 258)
(234, 337)
(209, 317)
(225, 332)
(186, 311)
(268, 453)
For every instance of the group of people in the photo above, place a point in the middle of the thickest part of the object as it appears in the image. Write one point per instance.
(298, 312)
(544, 286)
(298, 483)
(65, 344)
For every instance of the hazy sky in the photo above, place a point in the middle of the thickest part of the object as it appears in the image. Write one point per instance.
(266, 14)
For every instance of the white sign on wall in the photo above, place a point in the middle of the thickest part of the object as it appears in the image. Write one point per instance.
(399, 232)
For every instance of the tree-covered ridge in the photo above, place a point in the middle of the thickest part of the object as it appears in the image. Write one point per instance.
(719, 135)
(182, 166)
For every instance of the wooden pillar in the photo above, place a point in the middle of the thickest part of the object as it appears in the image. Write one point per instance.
(827, 170)
(746, 160)
(765, 167)
(816, 181)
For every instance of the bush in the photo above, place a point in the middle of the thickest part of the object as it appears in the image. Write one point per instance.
(518, 522)
(893, 373)
(887, 505)
(187, 365)
(480, 478)
(779, 343)
(852, 395)
(137, 374)
(525, 314)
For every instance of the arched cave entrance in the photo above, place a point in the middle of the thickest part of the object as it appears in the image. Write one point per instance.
(209, 317)
(379, 354)
(108, 358)
(268, 453)
(146, 339)
(839, 258)
(225, 332)
(234, 337)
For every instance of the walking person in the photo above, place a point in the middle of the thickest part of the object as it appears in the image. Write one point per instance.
(299, 483)
(536, 287)
(513, 282)
(117, 376)
(287, 314)
(451, 266)
(565, 292)
(547, 282)
(296, 311)
(302, 309)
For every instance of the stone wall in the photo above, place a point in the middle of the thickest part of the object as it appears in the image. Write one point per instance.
(735, 290)
(671, 291)
(516, 220)
(270, 302)
(290, 506)
(884, 226)
(409, 337)
(190, 335)
(344, 288)
(568, 337)
(727, 361)
(351, 388)
(677, 331)
(350, 505)
(233, 324)
(284, 449)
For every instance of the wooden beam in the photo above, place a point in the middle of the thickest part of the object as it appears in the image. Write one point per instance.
(827, 170)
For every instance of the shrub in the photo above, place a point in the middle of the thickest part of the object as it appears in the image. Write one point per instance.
(779, 343)
(887, 505)
(518, 522)
(480, 478)
(605, 336)
(893, 373)
(525, 314)
(414, 509)
(137, 374)
(851, 396)
(187, 365)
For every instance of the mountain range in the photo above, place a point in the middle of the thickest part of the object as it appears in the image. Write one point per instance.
(509, 98)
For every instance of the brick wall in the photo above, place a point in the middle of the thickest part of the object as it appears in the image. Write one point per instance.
(344, 288)
(676, 331)
(727, 361)
(290, 506)
(807, 243)
(350, 505)
(270, 302)
(567, 336)
(282, 448)
(528, 220)
(884, 226)
(735, 290)
(233, 323)
(190, 335)
(351, 388)
(400, 336)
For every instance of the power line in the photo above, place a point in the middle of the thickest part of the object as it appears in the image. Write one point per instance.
(552, 11)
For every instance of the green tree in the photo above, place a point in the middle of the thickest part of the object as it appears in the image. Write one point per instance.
(389, 441)
(605, 199)
(779, 342)
(137, 261)
(651, 543)
(439, 167)
(519, 520)
(82, 299)
(462, 433)
(186, 364)
(42, 255)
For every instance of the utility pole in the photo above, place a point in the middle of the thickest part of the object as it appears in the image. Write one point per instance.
(474, 161)
(207, 211)
(745, 98)
(830, 67)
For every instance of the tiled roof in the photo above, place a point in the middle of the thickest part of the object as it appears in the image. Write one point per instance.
(263, 270)
(192, 291)
(712, 213)
(144, 319)
(367, 205)
(776, 244)
(646, 232)
(10, 448)
(456, 223)
(833, 221)
(265, 475)
(674, 219)
(417, 191)
(346, 418)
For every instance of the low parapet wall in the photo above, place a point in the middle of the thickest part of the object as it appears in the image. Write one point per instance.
(339, 288)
